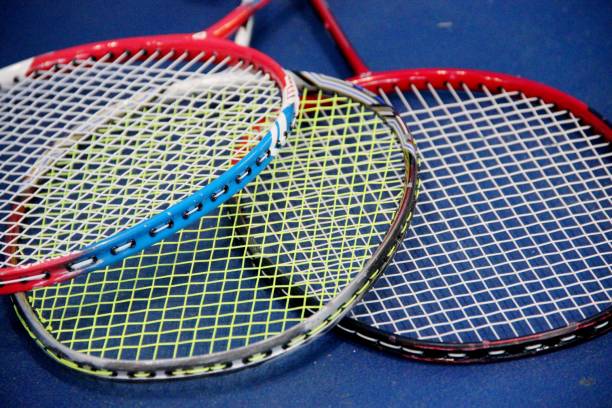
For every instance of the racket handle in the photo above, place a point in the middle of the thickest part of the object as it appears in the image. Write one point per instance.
(332, 26)
(234, 20)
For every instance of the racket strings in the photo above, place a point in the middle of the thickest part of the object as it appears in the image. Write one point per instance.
(118, 104)
(169, 304)
(319, 211)
(337, 206)
(94, 142)
(512, 234)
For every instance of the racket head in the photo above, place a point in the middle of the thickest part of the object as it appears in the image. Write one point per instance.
(86, 96)
(196, 304)
(509, 254)
(509, 251)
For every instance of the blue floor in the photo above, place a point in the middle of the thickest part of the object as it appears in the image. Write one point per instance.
(566, 44)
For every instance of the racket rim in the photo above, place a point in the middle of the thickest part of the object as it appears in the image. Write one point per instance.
(189, 43)
(487, 351)
(475, 79)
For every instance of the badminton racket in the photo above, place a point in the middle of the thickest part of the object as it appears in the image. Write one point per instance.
(107, 148)
(327, 215)
(510, 249)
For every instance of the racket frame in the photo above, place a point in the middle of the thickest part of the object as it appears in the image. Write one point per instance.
(315, 324)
